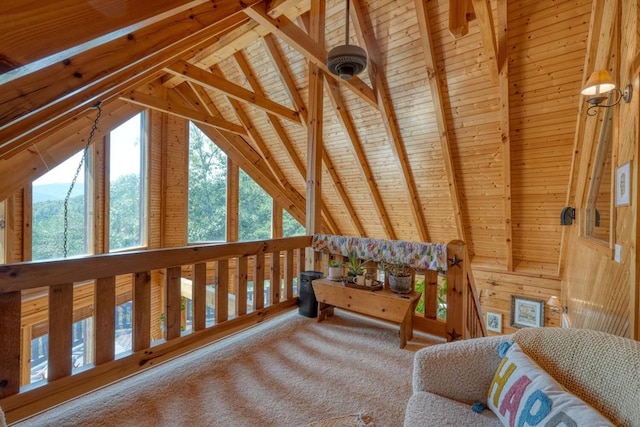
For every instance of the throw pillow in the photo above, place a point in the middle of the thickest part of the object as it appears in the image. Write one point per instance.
(523, 394)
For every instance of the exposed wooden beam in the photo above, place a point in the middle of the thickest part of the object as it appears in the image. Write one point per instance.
(211, 81)
(483, 13)
(422, 13)
(460, 13)
(45, 99)
(314, 130)
(505, 132)
(315, 53)
(24, 43)
(285, 76)
(254, 165)
(361, 159)
(166, 106)
(280, 132)
(385, 106)
(337, 183)
(247, 73)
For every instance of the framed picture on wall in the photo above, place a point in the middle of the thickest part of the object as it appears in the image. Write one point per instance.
(623, 185)
(526, 312)
(494, 322)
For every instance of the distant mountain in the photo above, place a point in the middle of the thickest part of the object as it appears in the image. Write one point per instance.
(45, 192)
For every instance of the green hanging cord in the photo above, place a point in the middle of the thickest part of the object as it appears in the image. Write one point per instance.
(65, 235)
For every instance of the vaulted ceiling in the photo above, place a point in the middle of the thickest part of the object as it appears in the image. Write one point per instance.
(462, 126)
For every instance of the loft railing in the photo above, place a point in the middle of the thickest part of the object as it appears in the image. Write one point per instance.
(221, 279)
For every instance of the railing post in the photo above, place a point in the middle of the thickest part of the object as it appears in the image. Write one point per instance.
(241, 295)
(456, 291)
(60, 331)
(288, 274)
(275, 278)
(10, 312)
(222, 291)
(199, 296)
(258, 282)
(141, 311)
(104, 300)
(173, 303)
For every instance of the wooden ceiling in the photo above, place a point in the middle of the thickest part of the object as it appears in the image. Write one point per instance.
(462, 126)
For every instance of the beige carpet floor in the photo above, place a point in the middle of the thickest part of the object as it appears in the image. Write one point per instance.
(289, 371)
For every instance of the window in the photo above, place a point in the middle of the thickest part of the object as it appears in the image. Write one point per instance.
(290, 226)
(127, 195)
(254, 210)
(49, 192)
(207, 189)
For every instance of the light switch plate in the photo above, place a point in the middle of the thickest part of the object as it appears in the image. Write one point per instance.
(617, 253)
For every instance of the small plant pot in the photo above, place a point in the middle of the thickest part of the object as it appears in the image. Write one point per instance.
(336, 273)
(400, 284)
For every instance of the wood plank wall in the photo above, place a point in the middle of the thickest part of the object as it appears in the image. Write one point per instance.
(600, 293)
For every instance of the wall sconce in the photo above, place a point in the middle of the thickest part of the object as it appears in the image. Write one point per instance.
(556, 306)
(567, 216)
(598, 86)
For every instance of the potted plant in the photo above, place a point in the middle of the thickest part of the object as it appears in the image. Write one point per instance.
(355, 268)
(400, 277)
(336, 269)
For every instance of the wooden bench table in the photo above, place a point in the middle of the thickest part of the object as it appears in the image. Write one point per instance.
(383, 304)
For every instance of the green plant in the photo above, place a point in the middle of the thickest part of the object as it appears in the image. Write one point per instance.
(355, 265)
(397, 269)
(335, 263)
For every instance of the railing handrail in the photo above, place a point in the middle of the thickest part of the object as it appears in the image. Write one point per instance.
(35, 274)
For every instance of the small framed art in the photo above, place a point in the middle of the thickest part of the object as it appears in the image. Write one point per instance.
(526, 312)
(494, 322)
(623, 185)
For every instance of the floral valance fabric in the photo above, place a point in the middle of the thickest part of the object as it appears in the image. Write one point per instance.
(429, 256)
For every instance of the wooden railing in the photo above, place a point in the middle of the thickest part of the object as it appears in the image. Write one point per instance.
(278, 261)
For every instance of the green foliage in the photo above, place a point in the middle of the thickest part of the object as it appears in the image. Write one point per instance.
(355, 265)
(335, 263)
(397, 269)
(419, 285)
(441, 297)
(125, 213)
(254, 211)
(207, 189)
(48, 226)
(290, 226)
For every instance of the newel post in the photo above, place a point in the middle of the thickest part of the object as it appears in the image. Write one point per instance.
(456, 290)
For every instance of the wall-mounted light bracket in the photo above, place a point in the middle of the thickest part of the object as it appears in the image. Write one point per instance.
(567, 216)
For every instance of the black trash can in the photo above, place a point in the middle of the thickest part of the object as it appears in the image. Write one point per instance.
(307, 303)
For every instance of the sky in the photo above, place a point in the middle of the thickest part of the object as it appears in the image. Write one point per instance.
(125, 156)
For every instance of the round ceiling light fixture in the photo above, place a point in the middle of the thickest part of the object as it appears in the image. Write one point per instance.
(347, 60)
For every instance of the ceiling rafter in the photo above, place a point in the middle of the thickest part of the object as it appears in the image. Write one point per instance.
(63, 90)
(257, 138)
(253, 133)
(350, 132)
(169, 107)
(460, 13)
(385, 106)
(505, 130)
(316, 54)
(422, 13)
(247, 73)
(211, 81)
(268, 175)
(249, 31)
(482, 9)
(285, 76)
(281, 133)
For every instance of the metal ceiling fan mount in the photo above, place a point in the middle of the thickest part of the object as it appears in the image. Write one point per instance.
(347, 60)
